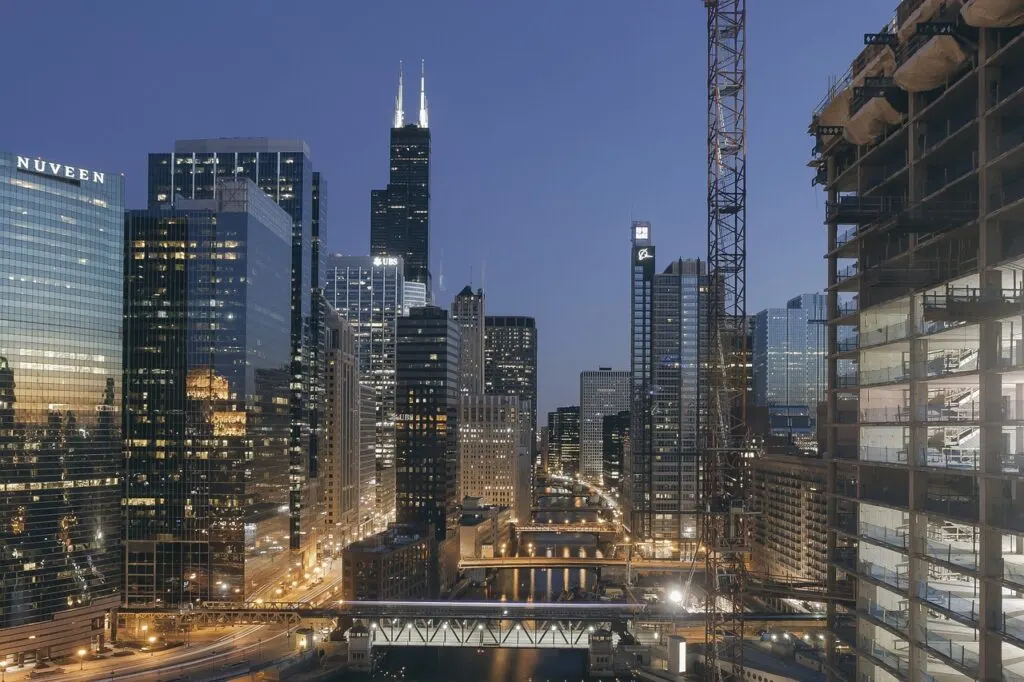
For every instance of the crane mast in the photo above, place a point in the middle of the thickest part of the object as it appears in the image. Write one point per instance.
(725, 508)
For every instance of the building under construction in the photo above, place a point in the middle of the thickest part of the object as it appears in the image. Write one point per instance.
(920, 148)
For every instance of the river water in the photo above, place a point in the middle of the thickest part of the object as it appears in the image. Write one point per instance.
(509, 665)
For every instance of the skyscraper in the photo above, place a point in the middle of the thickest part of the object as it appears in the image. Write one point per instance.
(614, 448)
(427, 420)
(207, 372)
(789, 352)
(282, 170)
(637, 468)
(510, 360)
(400, 213)
(349, 472)
(61, 232)
(564, 441)
(678, 403)
(368, 292)
(491, 445)
(468, 312)
(602, 392)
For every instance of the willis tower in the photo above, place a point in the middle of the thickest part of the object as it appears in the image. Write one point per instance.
(399, 215)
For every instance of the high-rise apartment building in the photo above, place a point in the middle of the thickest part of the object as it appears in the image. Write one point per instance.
(789, 530)
(207, 371)
(564, 441)
(615, 448)
(349, 470)
(510, 359)
(427, 420)
(603, 392)
(494, 451)
(637, 468)
(61, 230)
(368, 291)
(400, 213)
(281, 169)
(788, 353)
(468, 311)
(919, 148)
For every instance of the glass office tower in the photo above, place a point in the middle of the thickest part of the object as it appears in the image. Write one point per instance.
(60, 395)
(510, 362)
(368, 292)
(281, 169)
(637, 468)
(207, 373)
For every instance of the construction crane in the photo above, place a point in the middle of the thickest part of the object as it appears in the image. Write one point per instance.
(725, 509)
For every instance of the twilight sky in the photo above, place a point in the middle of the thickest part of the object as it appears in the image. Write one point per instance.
(554, 122)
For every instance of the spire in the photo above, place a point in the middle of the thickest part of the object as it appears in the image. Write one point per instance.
(399, 109)
(423, 94)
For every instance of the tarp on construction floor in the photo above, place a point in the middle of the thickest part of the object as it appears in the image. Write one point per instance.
(871, 120)
(993, 13)
(931, 66)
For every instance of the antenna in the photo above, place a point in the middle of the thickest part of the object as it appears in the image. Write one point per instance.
(399, 108)
(440, 276)
(483, 274)
(470, 276)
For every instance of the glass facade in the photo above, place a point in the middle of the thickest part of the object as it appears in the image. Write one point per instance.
(367, 291)
(637, 467)
(510, 362)
(60, 395)
(400, 214)
(605, 391)
(207, 398)
(426, 462)
(282, 170)
(678, 402)
(564, 441)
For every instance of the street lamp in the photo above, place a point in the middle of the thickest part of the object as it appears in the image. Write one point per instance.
(81, 659)
(3, 671)
(152, 641)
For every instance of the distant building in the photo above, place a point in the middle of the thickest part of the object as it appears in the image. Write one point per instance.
(615, 448)
(61, 370)
(485, 531)
(349, 471)
(392, 565)
(543, 447)
(207, 373)
(637, 493)
(789, 536)
(494, 453)
(368, 291)
(789, 354)
(510, 359)
(468, 310)
(400, 213)
(605, 391)
(427, 422)
(564, 441)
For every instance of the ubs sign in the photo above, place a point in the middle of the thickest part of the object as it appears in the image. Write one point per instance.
(58, 170)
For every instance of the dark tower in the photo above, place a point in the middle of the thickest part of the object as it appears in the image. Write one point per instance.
(399, 214)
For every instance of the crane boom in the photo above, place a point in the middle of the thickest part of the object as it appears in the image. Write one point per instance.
(724, 527)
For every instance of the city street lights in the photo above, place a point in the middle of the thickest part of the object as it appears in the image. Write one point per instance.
(81, 660)
(3, 671)
(152, 641)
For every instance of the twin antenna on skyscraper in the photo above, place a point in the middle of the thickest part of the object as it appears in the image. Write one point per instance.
(400, 108)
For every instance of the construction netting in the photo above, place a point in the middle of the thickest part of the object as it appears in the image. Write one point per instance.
(993, 13)
(931, 65)
(871, 120)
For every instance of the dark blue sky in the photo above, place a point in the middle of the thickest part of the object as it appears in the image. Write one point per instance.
(554, 122)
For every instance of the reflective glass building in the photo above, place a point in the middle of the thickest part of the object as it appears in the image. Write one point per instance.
(283, 170)
(510, 361)
(367, 291)
(60, 395)
(207, 373)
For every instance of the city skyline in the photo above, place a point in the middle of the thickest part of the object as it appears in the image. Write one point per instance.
(662, 179)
